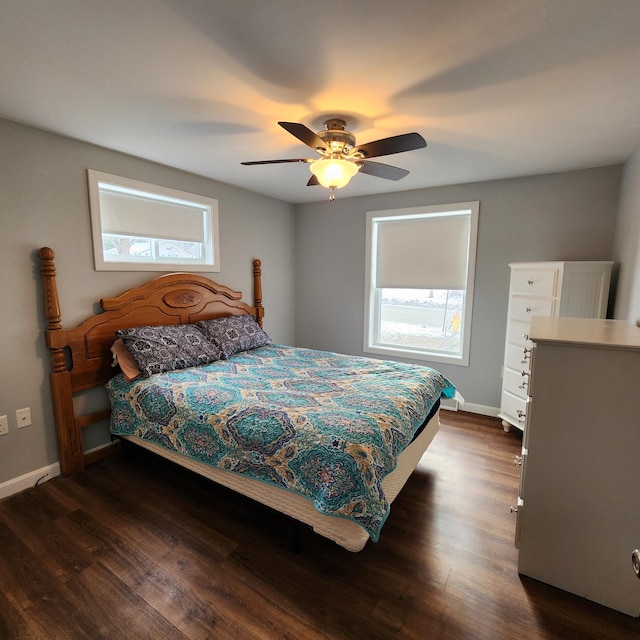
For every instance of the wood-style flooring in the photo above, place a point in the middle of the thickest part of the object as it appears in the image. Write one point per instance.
(141, 549)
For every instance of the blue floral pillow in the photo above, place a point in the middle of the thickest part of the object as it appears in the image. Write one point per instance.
(234, 333)
(165, 348)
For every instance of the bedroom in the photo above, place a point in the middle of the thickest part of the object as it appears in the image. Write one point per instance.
(590, 212)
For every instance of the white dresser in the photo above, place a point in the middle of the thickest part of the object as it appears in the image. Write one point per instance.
(548, 289)
(579, 503)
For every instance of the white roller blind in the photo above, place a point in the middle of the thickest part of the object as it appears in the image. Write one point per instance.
(131, 215)
(429, 252)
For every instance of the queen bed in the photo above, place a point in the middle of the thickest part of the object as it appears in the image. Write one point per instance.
(327, 439)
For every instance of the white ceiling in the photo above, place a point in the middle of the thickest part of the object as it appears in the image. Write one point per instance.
(498, 88)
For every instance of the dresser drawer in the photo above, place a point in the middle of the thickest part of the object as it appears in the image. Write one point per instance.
(514, 357)
(518, 333)
(514, 407)
(524, 308)
(535, 282)
(514, 382)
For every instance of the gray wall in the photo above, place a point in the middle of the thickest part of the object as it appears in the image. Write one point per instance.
(313, 254)
(565, 216)
(44, 202)
(627, 243)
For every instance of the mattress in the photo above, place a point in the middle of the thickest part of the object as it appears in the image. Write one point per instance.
(325, 427)
(343, 532)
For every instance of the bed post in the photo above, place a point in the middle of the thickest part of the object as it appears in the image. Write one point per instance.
(257, 290)
(69, 438)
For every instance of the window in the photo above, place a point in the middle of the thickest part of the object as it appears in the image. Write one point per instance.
(141, 226)
(419, 282)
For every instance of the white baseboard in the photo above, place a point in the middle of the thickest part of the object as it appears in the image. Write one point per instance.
(30, 479)
(481, 409)
(38, 476)
(457, 404)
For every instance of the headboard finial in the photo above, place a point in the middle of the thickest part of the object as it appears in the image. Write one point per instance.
(47, 253)
(257, 290)
(51, 302)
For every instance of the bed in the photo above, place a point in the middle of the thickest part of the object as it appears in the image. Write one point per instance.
(327, 439)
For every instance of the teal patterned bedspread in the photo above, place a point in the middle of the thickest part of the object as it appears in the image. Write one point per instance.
(327, 426)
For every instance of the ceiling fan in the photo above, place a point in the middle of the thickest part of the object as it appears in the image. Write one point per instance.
(340, 159)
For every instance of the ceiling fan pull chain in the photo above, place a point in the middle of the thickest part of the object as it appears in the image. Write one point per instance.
(332, 194)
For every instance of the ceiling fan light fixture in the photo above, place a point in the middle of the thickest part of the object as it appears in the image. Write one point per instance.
(334, 173)
(341, 158)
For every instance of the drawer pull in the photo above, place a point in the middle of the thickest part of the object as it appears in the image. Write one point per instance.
(527, 354)
(517, 461)
(527, 309)
(521, 415)
(513, 509)
(525, 336)
(529, 282)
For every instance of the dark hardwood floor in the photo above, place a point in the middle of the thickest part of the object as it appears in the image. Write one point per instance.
(141, 549)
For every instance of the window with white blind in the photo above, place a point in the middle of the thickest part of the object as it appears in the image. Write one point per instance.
(141, 226)
(419, 282)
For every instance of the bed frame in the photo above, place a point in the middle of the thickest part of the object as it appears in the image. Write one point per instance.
(81, 357)
(81, 360)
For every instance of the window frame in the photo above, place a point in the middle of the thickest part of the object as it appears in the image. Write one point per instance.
(210, 244)
(373, 294)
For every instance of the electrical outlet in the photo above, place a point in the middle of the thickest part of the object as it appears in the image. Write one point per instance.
(23, 417)
(4, 425)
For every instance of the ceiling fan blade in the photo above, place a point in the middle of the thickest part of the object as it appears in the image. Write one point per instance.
(313, 181)
(305, 160)
(380, 170)
(394, 144)
(304, 134)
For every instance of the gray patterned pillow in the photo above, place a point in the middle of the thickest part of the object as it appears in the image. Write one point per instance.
(164, 348)
(234, 333)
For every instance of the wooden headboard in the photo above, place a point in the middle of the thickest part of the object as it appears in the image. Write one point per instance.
(81, 357)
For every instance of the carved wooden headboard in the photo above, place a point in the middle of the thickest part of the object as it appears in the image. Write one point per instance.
(81, 357)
